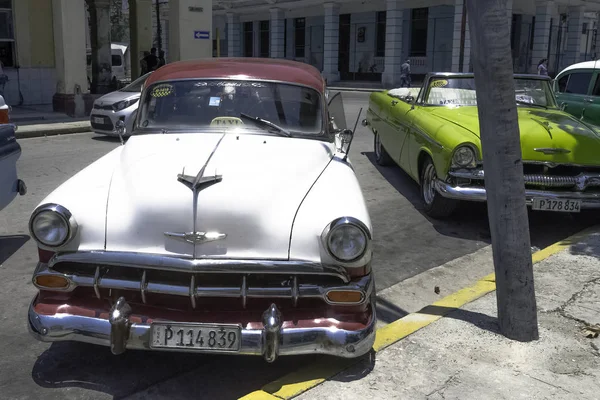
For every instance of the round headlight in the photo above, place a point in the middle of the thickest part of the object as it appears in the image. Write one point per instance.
(347, 242)
(51, 227)
(464, 157)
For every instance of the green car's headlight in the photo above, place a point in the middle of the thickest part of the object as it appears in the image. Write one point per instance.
(52, 225)
(464, 157)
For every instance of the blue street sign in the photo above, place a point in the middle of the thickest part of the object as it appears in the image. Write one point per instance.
(201, 35)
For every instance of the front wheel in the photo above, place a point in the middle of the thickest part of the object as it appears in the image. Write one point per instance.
(381, 156)
(436, 205)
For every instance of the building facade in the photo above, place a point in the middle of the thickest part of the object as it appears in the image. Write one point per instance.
(43, 42)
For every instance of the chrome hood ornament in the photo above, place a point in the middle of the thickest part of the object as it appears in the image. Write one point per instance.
(196, 184)
(551, 150)
(196, 237)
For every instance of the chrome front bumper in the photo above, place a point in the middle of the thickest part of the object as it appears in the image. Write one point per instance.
(270, 342)
(469, 193)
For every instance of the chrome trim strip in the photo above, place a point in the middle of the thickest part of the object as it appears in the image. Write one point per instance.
(425, 136)
(143, 286)
(292, 341)
(588, 200)
(190, 265)
(293, 291)
(97, 283)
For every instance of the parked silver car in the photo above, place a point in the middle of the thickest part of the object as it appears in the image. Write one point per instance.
(120, 105)
(10, 151)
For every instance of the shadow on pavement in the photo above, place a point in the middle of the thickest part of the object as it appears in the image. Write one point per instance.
(9, 245)
(106, 138)
(95, 368)
(388, 312)
(482, 321)
(470, 220)
(589, 246)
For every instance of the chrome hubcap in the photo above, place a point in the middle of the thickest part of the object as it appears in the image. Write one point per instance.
(428, 188)
(377, 146)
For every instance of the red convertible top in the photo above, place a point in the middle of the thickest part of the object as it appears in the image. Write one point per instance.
(242, 68)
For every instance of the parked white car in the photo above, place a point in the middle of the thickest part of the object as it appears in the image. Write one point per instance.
(120, 105)
(230, 222)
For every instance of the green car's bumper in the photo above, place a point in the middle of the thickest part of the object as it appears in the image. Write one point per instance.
(589, 200)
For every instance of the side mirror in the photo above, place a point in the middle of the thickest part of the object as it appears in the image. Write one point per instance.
(120, 128)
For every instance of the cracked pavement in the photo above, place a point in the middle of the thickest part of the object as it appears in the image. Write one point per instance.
(463, 355)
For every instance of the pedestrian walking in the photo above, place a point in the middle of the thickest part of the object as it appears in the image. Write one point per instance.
(543, 67)
(3, 78)
(152, 60)
(161, 59)
(144, 64)
(405, 74)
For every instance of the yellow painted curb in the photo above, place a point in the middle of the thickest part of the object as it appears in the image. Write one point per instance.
(259, 395)
(306, 378)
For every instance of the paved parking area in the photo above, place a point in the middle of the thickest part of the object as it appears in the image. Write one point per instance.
(407, 243)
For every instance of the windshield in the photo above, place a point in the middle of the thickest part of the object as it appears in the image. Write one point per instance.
(136, 86)
(214, 104)
(459, 91)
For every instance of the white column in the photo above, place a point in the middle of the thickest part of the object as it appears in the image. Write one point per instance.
(393, 43)
(544, 10)
(574, 26)
(331, 37)
(460, 40)
(234, 35)
(190, 29)
(140, 33)
(277, 33)
(69, 55)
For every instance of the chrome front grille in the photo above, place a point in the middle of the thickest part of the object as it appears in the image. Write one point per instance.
(579, 182)
(292, 287)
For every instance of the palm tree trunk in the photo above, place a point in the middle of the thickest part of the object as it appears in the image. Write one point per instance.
(504, 184)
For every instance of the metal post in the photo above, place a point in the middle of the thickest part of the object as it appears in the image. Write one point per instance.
(218, 43)
(158, 28)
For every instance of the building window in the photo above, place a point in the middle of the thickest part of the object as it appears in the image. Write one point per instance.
(380, 44)
(285, 38)
(418, 33)
(584, 28)
(264, 38)
(248, 39)
(7, 38)
(299, 36)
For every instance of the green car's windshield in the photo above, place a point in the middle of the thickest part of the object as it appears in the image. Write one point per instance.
(209, 104)
(136, 86)
(460, 91)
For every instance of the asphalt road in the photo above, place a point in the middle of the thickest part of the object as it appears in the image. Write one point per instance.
(406, 243)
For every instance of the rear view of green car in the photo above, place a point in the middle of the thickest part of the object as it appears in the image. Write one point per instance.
(577, 90)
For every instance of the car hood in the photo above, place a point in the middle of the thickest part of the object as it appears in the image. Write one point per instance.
(114, 97)
(263, 181)
(554, 131)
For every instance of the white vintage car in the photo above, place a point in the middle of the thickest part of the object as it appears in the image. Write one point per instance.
(230, 222)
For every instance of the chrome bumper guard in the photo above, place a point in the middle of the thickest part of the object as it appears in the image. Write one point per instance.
(469, 193)
(119, 333)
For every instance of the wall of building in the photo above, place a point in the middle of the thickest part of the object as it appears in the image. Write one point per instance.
(34, 81)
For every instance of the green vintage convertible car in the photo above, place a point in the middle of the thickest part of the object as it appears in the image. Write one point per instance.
(432, 133)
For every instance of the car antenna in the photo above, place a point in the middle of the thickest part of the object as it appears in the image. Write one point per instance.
(353, 131)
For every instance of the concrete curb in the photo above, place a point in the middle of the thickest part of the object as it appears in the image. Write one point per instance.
(60, 128)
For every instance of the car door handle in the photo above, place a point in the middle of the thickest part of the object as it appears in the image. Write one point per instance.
(394, 102)
(589, 100)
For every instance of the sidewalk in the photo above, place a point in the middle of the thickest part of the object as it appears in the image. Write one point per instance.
(37, 121)
(452, 349)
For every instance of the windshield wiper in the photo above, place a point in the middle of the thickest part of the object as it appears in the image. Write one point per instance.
(265, 123)
(530, 104)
